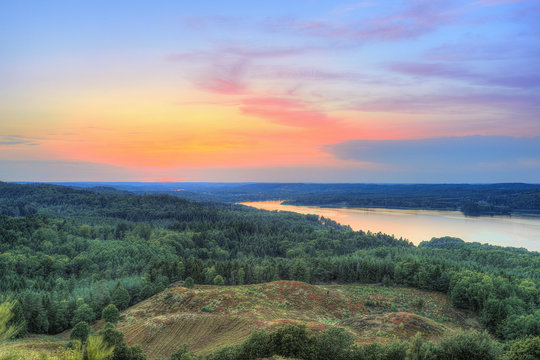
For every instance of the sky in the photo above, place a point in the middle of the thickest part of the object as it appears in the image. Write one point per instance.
(270, 91)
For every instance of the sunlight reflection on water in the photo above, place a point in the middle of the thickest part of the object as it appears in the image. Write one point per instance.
(420, 225)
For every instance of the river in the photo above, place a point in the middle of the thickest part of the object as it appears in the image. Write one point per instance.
(420, 225)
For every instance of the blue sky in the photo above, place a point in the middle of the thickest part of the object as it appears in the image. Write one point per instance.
(270, 91)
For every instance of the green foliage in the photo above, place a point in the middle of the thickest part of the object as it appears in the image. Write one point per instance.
(420, 350)
(524, 349)
(120, 297)
(258, 345)
(98, 349)
(218, 280)
(189, 283)
(240, 276)
(291, 341)
(184, 354)
(7, 330)
(80, 332)
(114, 338)
(110, 314)
(522, 325)
(295, 341)
(377, 351)
(17, 321)
(84, 313)
(60, 244)
(470, 345)
(333, 343)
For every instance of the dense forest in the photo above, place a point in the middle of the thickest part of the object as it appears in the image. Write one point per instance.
(66, 254)
(472, 200)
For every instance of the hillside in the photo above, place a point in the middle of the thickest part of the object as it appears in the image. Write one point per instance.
(210, 317)
(66, 254)
(471, 199)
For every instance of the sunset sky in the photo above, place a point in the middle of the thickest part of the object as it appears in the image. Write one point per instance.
(299, 91)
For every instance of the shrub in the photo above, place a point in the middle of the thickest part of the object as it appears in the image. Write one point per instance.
(189, 282)
(80, 331)
(110, 314)
(84, 313)
(218, 280)
(470, 345)
(184, 354)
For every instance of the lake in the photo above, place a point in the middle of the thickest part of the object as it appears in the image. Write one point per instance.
(420, 225)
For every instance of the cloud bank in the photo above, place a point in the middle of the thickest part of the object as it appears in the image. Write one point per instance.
(477, 158)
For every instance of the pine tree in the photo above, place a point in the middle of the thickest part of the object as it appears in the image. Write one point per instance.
(120, 297)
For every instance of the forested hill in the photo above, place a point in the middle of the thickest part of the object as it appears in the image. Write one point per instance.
(58, 244)
(471, 199)
(67, 253)
(489, 199)
(21, 200)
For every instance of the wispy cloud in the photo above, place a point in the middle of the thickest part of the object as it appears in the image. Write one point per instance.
(462, 103)
(285, 111)
(483, 51)
(224, 69)
(243, 51)
(8, 141)
(225, 78)
(499, 2)
(416, 18)
(520, 78)
(353, 7)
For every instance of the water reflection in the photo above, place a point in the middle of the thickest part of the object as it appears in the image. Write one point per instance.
(420, 225)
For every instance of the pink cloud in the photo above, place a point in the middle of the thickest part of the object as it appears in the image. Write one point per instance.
(223, 86)
(223, 70)
(284, 111)
(227, 78)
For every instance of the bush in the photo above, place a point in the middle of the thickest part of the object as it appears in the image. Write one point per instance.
(333, 343)
(256, 346)
(218, 280)
(189, 282)
(80, 331)
(470, 345)
(184, 354)
(110, 314)
(84, 313)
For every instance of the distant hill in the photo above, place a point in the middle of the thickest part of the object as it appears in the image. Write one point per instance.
(471, 199)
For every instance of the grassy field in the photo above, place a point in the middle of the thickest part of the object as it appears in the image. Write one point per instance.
(33, 346)
(209, 317)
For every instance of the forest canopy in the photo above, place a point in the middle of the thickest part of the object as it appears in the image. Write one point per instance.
(67, 254)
